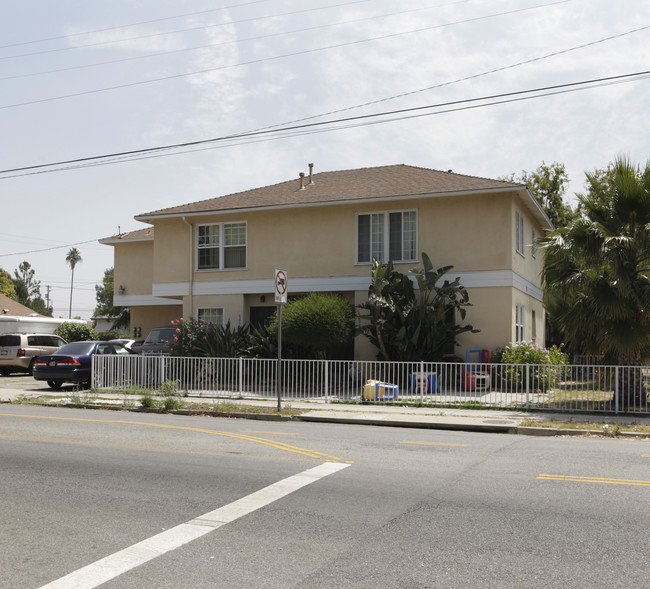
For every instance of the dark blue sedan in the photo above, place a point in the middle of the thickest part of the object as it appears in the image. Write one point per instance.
(72, 362)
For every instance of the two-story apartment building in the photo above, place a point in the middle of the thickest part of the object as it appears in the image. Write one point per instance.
(215, 259)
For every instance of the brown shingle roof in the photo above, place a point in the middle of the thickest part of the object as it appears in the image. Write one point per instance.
(139, 235)
(328, 187)
(15, 308)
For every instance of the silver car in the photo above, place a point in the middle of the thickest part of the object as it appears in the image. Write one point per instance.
(19, 351)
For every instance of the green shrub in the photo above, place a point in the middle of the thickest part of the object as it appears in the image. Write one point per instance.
(524, 353)
(107, 335)
(169, 388)
(224, 341)
(193, 338)
(171, 404)
(317, 324)
(188, 334)
(76, 332)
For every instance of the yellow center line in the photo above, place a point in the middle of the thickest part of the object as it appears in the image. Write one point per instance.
(263, 441)
(434, 444)
(602, 480)
(251, 431)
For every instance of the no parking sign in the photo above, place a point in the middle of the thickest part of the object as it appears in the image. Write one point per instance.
(281, 286)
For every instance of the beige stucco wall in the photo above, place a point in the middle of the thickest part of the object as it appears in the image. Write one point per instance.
(133, 263)
(171, 256)
(146, 318)
(466, 231)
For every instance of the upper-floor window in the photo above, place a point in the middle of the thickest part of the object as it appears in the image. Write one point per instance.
(519, 232)
(387, 236)
(221, 246)
(533, 246)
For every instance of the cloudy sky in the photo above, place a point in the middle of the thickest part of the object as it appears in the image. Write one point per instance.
(455, 84)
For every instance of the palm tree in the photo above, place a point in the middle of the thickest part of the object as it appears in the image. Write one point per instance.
(73, 258)
(599, 268)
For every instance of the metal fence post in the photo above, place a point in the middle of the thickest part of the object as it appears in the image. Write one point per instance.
(327, 380)
(426, 381)
(527, 386)
(240, 376)
(616, 390)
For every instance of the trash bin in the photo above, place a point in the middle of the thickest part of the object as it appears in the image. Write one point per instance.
(375, 390)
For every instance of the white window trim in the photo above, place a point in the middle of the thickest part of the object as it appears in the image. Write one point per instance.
(386, 255)
(223, 314)
(520, 323)
(533, 245)
(533, 325)
(221, 247)
(519, 233)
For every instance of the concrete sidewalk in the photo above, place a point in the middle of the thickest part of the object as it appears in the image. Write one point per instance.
(485, 420)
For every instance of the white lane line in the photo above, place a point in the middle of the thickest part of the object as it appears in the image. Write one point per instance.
(120, 562)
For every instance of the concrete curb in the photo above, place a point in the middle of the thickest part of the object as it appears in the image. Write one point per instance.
(388, 422)
(468, 424)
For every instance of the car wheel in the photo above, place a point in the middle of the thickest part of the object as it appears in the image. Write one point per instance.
(31, 367)
(55, 384)
(5, 372)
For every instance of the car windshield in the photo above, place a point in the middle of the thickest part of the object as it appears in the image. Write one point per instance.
(9, 340)
(160, 335)
(76, 349)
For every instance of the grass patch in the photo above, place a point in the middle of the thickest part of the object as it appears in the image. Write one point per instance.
(608, 429)
(227, 407)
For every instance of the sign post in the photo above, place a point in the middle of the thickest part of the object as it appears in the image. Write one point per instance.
(281, 289)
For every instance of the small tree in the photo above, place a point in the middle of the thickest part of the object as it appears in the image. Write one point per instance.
(76, 332)
(408, 326)
(7, 286)
(27, 290)
(104, 295)
(548, 185)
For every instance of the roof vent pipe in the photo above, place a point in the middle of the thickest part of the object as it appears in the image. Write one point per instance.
(302, 180)
(311, 173)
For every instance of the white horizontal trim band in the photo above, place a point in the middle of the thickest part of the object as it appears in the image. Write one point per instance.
(143, 301)
(478, 279)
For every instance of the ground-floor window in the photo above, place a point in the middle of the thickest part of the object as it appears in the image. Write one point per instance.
(210, 315)
(519, 323)
(533, 325)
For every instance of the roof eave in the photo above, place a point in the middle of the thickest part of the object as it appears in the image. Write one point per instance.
(116, 240)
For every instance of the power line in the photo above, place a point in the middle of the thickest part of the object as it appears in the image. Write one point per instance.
(470, 77)
(144, 22)
(347, 122)
(186, 30)
(48, 249)
(448, 83)
(237, 41)
(266, 59)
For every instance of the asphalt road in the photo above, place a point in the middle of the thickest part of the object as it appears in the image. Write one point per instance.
(303, 505)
